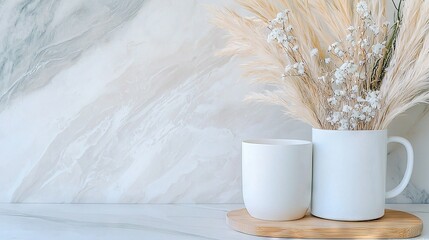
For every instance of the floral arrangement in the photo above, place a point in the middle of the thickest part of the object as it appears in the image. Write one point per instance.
(335, 64)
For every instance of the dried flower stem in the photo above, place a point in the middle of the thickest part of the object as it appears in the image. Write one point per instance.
(335, 64)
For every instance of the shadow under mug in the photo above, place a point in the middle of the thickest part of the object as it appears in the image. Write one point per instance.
(277, 175)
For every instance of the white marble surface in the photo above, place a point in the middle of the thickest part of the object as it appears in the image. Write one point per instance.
(122, 101)
(133, 221)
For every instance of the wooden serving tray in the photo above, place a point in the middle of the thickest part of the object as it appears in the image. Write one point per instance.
(394, 224)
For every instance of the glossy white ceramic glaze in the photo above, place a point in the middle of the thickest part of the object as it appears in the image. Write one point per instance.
(349, 174)
(277, 178)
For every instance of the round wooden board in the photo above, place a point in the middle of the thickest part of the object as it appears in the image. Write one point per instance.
(394, 224)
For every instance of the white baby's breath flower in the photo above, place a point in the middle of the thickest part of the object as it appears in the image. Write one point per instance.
(332, 101)
(339, 76)
(375, 29)
(350, 104)
(350, 67)
(364, 43)
(300, 68)
(336, 117)
(373, 99)
(366, 109)
(270, 38)
(338, 92)
(368, 119)
(276, 34)
(338, 52)
(344, 124)
(281, 17)
(355, 113)
(332, 46)
(314, 52)
(347, 108)
(362, 9)
(347, 68)
(295, 48)
(377, 48)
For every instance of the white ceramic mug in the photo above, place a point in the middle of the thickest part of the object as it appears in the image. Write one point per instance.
(349, 173)
(277, 178)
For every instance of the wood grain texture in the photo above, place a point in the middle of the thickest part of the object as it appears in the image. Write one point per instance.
(394, 224)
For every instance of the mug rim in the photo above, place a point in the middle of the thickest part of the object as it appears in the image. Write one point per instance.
(333, 130)
(277, 142)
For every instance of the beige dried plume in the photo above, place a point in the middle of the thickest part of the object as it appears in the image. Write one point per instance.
(406, 82)
(317, 24)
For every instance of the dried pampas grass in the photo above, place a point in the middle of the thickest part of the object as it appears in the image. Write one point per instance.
(406, 82)
(399, 76)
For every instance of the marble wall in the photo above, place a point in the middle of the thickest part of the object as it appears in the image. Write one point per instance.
(123, 102)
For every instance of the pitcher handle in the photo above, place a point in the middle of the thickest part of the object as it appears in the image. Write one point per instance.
(410, 162)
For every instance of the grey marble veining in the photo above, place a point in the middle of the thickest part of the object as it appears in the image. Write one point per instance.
(133, 221)
(414, 127)
(124, 102)
(42, 38)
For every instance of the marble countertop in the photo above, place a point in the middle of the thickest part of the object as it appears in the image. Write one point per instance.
(133, 221)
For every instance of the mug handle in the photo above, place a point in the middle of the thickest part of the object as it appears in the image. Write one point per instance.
(410, 162)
